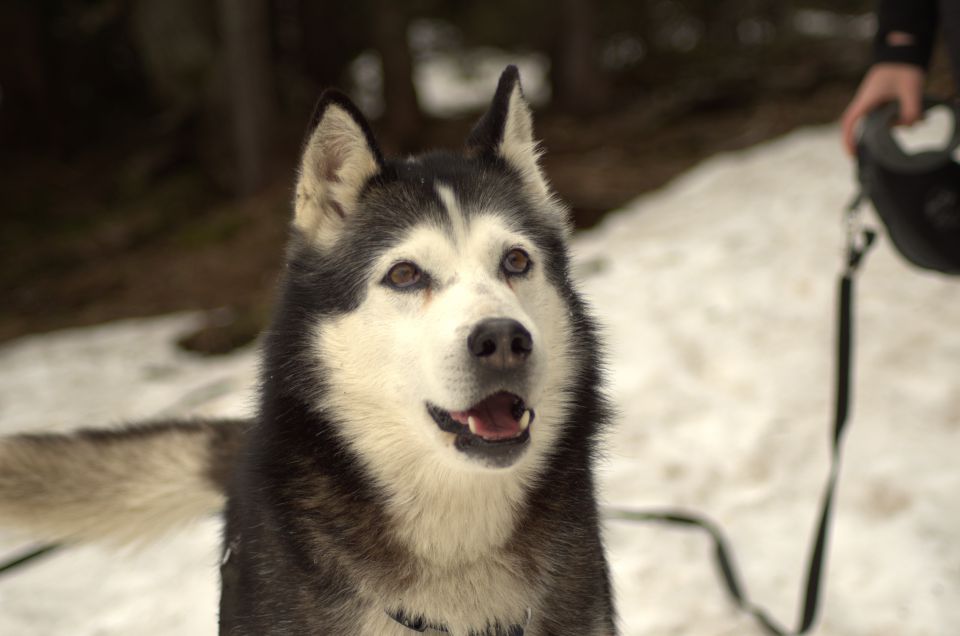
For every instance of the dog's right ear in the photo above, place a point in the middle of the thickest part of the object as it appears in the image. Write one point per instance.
(339, 156)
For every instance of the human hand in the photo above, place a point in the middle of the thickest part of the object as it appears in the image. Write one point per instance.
(885, 82)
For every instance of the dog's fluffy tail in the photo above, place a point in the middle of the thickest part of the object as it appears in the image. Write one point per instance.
(124, 486)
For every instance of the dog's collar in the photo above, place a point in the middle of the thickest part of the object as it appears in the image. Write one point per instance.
(418, 623)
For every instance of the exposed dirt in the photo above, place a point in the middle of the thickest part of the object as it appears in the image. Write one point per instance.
(86, 241)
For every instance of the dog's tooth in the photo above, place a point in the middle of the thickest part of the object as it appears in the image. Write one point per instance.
(525, 420)
(472, 423)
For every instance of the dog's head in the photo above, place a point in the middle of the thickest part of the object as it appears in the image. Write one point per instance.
(435, 291)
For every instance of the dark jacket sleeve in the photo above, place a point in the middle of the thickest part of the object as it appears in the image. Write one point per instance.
(914, 17)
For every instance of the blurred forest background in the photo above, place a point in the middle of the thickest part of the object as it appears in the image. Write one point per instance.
(148, 147)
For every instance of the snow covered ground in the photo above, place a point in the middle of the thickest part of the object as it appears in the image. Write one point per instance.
(716, 294)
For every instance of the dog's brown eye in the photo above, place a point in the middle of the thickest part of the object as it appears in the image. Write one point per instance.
(403, 275)
(516, 262)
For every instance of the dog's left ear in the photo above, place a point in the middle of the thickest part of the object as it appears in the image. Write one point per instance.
(339, 157)
(506, 131)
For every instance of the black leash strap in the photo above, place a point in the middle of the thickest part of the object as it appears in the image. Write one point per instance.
(26, 557)
(859, 242)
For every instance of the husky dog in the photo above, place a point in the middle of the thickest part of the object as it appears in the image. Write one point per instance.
(429, 411)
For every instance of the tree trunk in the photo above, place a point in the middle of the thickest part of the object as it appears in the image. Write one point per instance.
(249, 107)
(578, 81)
(402, 117)
(30, 112)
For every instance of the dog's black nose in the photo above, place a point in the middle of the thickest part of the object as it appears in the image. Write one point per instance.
(501, 343)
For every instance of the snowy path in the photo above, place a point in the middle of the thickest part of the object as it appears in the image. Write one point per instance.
(717, 298)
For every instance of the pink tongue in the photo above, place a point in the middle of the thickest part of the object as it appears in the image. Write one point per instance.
(493, 417)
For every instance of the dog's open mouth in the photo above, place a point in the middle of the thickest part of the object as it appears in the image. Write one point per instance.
(495, 429)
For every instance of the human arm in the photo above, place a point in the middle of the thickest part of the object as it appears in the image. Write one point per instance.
(906, 32)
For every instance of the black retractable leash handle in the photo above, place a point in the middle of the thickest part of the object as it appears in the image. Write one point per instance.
(859, 242)
(916, 195)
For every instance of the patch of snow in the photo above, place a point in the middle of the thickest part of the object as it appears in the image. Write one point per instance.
(933, 133)
(820, 23)
(452, 83)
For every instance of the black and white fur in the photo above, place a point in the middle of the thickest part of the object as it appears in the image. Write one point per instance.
(358, 493)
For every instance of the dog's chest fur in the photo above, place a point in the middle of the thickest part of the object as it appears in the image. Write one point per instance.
(466, 596)
(351, 572)
(317, 552)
